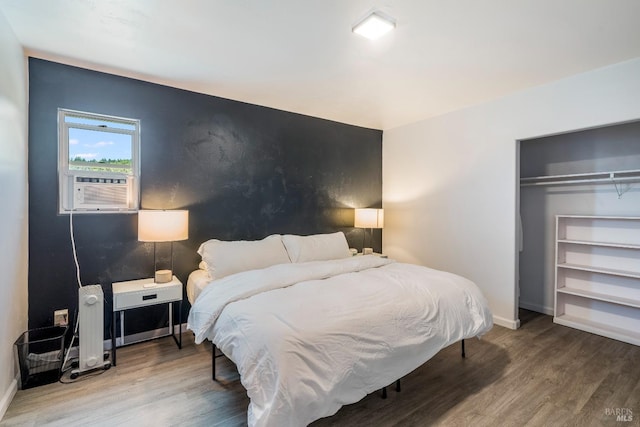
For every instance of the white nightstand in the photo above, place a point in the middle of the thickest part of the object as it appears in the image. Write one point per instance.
(374, 254)
(142, 293)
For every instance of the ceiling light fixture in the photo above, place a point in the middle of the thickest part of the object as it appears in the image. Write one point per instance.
(374, 25)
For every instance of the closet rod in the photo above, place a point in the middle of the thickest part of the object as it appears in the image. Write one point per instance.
(583, 178)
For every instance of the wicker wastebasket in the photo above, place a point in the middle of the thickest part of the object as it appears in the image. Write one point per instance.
(39, 353)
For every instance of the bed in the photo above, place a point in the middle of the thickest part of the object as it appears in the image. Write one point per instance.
(313, 328)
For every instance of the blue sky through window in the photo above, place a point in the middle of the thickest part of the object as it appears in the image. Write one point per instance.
(97, 145)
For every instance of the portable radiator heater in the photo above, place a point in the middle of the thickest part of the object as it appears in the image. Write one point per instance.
(91, 324)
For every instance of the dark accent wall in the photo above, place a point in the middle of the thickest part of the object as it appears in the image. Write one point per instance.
(243, 172)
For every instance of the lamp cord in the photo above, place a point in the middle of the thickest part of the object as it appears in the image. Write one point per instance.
(155, 264)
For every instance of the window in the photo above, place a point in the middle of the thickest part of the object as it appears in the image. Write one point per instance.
(98, 162)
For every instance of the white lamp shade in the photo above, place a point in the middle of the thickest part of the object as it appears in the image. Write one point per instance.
(369, 218)
(163, 226)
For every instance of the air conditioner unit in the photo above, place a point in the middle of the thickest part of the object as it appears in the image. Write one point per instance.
(91, 324)
(100, 192)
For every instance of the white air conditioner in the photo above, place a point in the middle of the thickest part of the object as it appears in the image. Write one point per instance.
(98, 192)
(92, 191)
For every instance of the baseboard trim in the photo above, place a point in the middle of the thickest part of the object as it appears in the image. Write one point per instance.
(132, 339)
(536, 307)
(145, 336)
(507, 323)
(8, 397)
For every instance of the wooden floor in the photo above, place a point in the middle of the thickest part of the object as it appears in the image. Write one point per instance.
(540, 375)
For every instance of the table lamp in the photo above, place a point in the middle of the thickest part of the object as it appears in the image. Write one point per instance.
(368, 218)
(163, 226)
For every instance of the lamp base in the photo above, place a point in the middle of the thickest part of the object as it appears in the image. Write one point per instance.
(163, 276)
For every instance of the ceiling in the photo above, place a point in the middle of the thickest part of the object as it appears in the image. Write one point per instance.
(301, 56)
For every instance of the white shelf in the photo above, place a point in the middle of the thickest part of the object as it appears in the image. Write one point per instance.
(630, 302)
(611, 271)
(601, 218)
(599, 303)
(620, 334)
(602, 244)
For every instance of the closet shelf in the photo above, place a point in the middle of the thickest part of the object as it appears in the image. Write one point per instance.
(599, 328)
(583, 178)
(631, 302)
(609, 271)
(602, 244)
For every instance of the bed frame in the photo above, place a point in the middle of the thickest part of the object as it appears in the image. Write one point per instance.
(213, 368)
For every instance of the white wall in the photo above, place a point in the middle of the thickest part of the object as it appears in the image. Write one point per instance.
(13, 214)
(450, 182)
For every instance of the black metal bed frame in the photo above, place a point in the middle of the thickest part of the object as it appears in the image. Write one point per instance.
(213, 368)
(384, 389)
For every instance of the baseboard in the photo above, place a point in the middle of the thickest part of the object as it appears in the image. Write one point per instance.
(536, 307)
(8, 397)
(507, 323)
(144, 336)
(132, 339)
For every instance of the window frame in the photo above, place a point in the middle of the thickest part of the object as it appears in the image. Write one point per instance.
(66, 175)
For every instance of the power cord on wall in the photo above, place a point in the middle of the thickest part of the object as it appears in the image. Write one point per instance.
(75, 259)
(73, 248)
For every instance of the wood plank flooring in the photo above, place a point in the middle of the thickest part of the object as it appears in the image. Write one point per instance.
(540, 375)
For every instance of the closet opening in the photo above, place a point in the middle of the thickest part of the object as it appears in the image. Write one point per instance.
(584, 179)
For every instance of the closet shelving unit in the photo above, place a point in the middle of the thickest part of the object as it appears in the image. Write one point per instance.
(597, 275)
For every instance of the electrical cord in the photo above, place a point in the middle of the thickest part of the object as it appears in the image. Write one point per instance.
(73, 247)
(66, 357)
(83, 377)
(75, 259)
(75, 329)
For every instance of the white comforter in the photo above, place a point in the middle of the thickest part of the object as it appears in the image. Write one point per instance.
(308, 338)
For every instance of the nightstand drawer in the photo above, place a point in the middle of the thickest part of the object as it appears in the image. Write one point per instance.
(138, 296)
(146, 297)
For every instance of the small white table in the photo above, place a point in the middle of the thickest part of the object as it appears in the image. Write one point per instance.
(145, 293)
(374, 254)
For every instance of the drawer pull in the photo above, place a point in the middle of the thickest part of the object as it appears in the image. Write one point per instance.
(148, 297)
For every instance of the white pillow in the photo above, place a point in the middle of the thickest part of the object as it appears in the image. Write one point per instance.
(317, 247)
(225, 258)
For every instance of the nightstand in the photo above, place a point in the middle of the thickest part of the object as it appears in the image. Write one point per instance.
(143, 293)
(374, 254)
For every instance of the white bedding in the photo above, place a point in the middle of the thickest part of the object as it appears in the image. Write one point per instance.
(197, 281)
(308, 338)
